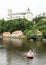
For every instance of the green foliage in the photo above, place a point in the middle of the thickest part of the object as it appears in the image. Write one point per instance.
(41, 25)
(28, 27)
(44, 33)
(31, 34)
(39, 37)
(16, 24)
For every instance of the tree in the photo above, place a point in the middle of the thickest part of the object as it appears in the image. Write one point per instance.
(41, 25)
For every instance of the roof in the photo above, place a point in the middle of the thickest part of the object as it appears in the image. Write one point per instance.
(20, 13)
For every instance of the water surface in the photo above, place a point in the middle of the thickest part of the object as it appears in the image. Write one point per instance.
(12, 52)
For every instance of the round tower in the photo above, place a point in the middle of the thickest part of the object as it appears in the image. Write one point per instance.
(9, 11)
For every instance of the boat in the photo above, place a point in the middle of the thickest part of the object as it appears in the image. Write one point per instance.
(29, 54)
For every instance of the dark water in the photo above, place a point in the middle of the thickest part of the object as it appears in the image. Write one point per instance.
(12, 52)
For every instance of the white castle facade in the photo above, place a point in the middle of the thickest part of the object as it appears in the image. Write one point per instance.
(28, 15)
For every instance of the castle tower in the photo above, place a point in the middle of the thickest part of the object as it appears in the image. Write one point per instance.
(29, 15)
(28, 10)
(9, 11)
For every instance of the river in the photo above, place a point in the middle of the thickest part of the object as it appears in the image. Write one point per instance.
(12, 52)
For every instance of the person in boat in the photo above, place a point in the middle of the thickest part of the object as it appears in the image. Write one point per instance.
(29, 51)
(29, 54)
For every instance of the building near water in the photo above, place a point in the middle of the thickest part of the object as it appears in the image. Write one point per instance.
(28, 15)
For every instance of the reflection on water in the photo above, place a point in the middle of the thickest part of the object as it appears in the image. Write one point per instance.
(10, 56)
(13, 41)
(17, 42)
(6, 40)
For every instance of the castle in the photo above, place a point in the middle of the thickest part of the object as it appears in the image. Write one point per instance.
(28, 15)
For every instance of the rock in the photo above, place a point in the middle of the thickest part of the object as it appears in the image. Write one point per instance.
(44, 40)
(38, 32)
(31, 40)
(17, 34)
(6, 34)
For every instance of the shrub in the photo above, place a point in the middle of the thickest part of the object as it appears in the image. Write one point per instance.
(30, 34)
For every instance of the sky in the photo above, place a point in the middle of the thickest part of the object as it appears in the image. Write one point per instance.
(36, 6)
